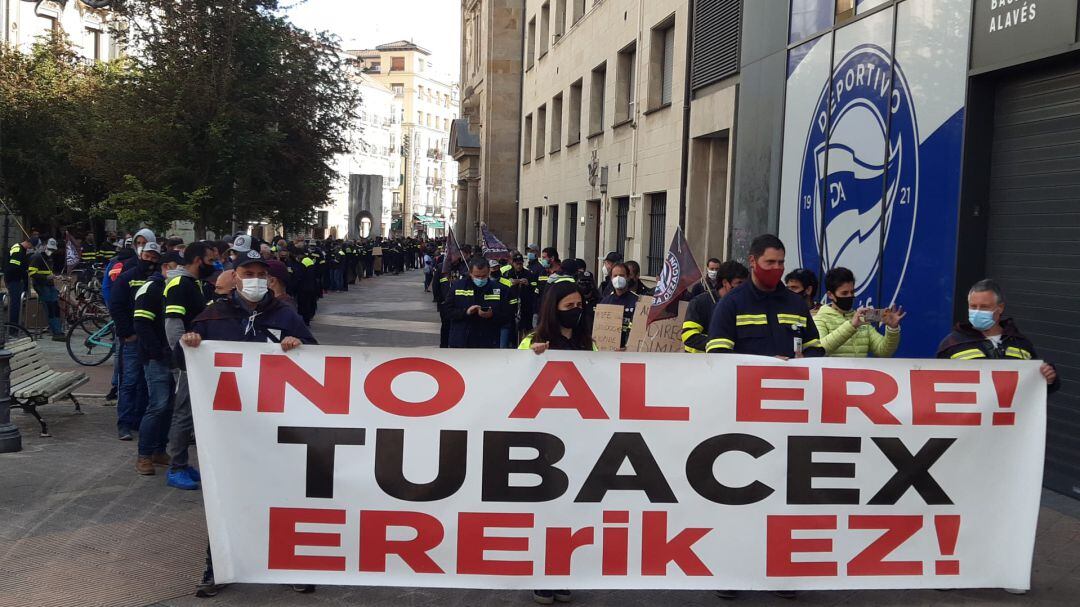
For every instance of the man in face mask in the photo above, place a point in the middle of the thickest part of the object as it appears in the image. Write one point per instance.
(132, 394)
(610, 260)
(762, 316)
(709, 282)
(477, 308)
(248, 314)
(988, 333)
(730, 275)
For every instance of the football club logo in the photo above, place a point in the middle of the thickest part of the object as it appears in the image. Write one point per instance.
(859, 186)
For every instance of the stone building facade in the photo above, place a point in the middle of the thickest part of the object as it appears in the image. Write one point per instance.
(87, 28)
(485, 141)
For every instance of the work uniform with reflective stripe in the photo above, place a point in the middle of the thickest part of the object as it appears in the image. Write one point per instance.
(695, 329)
(184, 299)
(122, 298)
(39, 272)
(16, 264)
(750, 321)
(149, 320)
(470, 330)
(965, 342)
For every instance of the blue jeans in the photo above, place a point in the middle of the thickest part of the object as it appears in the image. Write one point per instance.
(428, 277)
(132, 396)
(15, 295)
(154, 429)
(506, 337)
(50, 298)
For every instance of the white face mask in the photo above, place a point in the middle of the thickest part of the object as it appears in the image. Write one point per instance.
(138, 251)
(619, 282)
(713, 274)
(254, 289)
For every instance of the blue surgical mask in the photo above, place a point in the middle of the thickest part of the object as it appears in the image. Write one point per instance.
(532, 256)
(480, 282)
(981, 319)
(545, 263)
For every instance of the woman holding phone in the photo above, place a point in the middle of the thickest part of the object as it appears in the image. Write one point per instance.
(849, 332)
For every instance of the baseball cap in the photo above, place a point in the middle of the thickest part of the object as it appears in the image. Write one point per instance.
(493, 263)
(571, 267)
(249, 257)
(242, 244)
(533, 247)
(614, 257)
(51, 245)
(278, 270)
(173, 257)
(152, 247)
(517, 257)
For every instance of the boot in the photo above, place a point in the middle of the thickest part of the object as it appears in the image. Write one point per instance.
(145, 466)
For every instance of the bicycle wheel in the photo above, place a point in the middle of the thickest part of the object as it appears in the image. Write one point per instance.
(91, 341)
(15, 331)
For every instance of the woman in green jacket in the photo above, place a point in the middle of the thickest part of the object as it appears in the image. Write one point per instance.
(844, 331)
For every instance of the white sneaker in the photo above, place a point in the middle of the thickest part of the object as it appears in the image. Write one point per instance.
(1017, 591)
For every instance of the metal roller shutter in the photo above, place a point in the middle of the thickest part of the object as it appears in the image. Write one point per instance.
(715, 40)
(1033, 245)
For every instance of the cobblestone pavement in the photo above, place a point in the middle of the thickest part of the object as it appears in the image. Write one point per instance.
(78, 527)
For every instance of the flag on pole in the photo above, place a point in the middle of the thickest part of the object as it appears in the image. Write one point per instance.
(680, 272)
(493, 247)
(452, 258)
(72, 254)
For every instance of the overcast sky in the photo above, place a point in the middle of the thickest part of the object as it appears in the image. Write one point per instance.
(432, 24)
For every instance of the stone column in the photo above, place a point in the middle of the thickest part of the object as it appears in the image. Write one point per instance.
(472, 201)
(461, 226)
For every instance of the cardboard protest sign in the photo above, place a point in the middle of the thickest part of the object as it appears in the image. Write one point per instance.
(401, 467)
(664, 335)
(607, 327)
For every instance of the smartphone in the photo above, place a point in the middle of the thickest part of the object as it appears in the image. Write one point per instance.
(485, 309)
(873, 315)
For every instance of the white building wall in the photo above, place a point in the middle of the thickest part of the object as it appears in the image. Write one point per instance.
(26, 23)
(375, 141)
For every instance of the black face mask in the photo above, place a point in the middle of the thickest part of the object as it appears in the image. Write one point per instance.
(148, 267)
(205, 271)
(570, 319)
(844, 303)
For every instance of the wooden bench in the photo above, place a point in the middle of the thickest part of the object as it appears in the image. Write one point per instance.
(34, 384)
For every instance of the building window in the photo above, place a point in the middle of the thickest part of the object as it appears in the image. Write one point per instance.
(397, 64)
(556, 123)
(657, 232)
(399, 89)
(579, 10)
(530, 44)
(420, 92)
(845, 9)
(93, 38)
(527, 133)
(545, 27)
(376, 66)
(420, 118)
(573, 127)
(596, 99)
(553, 217)
(571, 230)
(662, 60)
(538, 223)
(624, 78)
(560, 20)
(324, 220)
(525, 228)
(541, 131)
(622, 213)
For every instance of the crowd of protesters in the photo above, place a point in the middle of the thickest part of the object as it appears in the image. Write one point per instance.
(161, 293)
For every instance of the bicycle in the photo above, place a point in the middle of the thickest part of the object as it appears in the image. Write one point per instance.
(91, 340)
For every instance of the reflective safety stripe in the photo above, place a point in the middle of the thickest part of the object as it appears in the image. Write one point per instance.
(506, 282)
(690, 329)
(444, 279)
(15, 248)
(1017, 353)
(142, 290)
(720, 344)
(137, 283)
(463, 293)
(515, 302)
(307, 262)
(693, 350)
(175, 310)
(14, 262)
(175, 280)
(36, 272)
(492, 297)
(813, 343)
(147, 314)
(968, 354)
(791, 319)
(751, 319)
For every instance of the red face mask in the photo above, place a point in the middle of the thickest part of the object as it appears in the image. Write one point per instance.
(768, 279)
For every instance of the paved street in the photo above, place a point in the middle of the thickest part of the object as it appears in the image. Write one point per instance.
(79, 527)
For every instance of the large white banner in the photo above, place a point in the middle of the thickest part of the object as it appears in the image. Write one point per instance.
(503, 469)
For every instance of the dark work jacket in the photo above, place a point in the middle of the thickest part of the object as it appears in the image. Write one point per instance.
(228, 319)
(749, 321)
(471, 331)
(122, 298)
(968, 343)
